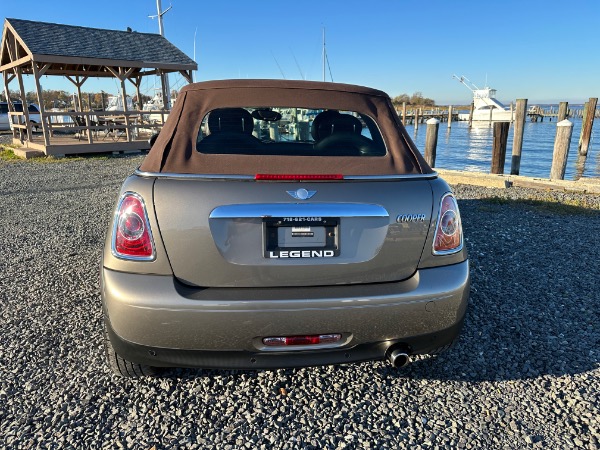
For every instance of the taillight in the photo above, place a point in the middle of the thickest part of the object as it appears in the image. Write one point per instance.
(448, 233)
(131, 237)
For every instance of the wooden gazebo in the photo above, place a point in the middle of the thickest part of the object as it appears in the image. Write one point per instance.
(78, 53)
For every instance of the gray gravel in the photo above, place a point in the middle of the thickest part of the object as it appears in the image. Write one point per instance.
(525, 373)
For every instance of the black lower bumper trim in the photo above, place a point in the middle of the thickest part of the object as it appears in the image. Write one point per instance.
(212, 359)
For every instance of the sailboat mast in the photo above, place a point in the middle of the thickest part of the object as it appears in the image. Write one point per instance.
(164, 76)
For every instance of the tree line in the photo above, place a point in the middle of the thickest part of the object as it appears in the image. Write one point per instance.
(416, 99)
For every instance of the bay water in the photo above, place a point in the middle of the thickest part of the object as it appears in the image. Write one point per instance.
(470, 149)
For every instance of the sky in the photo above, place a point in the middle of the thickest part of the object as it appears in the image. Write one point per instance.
(545, 51)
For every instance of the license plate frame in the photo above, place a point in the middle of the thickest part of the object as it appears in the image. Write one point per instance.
(273, 250)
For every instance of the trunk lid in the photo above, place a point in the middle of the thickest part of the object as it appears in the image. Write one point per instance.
(240, 233)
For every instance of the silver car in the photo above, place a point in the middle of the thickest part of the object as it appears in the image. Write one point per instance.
(279, 223)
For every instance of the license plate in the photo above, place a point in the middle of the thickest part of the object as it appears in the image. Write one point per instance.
(301, 237)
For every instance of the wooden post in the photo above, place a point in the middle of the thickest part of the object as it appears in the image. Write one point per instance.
(102, 94)
(491, 116)
(518, 136)
(450, 116)
(564, 129)
(40, 96)
(512, 113)
(431, 138)
(124, 97)
(404, 113)
(416, 118)
(563, 108)
(499, 147)
(586, 127)
(471, 114)
(24, 102)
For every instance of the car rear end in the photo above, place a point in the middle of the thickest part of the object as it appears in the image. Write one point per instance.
(281, 269)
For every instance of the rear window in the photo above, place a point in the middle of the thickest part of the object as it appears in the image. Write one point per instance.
(289, 132)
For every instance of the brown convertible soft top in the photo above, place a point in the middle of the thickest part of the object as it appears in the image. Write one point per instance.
(174, 150)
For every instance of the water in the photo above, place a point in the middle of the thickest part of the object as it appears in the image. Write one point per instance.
(461, 148)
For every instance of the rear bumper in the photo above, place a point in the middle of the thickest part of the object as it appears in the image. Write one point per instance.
(157, 321)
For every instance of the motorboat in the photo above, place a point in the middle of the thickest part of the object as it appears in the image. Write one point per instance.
(486, 108)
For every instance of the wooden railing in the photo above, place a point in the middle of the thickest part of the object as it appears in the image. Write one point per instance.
(93, 125)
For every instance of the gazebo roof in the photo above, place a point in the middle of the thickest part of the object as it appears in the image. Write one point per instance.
(61, 45)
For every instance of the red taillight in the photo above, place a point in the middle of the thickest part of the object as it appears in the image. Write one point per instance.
(314, 339)
(298, 177)
(132, 238)
(448, 233)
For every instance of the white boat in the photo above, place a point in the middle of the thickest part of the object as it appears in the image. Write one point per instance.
(486, 107)
(115, 103)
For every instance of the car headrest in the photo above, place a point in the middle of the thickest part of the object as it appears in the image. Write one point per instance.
(236, 120)
(336, 123)
(321, 122)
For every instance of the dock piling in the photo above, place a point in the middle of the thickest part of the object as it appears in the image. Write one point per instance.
(431, 138)
(564, 130)
(518, 136)
(450, 116)
(471, 114)
(563, 109)
(586, 127)
(499, 146)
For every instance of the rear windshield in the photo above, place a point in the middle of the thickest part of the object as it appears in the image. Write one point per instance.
(289, 132)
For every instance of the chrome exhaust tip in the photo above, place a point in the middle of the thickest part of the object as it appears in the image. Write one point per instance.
(398, 358)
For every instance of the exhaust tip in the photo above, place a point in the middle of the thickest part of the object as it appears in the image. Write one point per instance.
(398, 358)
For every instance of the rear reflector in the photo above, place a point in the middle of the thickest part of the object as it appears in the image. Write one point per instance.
(298, 177)
(315, 339)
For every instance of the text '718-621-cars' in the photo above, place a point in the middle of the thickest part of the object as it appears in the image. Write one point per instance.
(279, 223)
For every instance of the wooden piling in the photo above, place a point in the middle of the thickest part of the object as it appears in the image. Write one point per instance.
(520, 116)
(450, 116)
(431, 138)
(586, 126)
(404, 113)
(564, 130)
(471, 114)
(416, 118)
(499, 146)
(563, 109)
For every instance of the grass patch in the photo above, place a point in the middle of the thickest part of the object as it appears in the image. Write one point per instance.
(8, 155)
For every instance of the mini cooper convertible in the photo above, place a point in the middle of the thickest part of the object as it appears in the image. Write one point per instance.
(279, 223)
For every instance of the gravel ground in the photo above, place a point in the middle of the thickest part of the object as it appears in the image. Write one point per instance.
(525, 373)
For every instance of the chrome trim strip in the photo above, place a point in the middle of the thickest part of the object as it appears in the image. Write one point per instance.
(261, 210)
(419, 176)
(193, 176)
(427, 176)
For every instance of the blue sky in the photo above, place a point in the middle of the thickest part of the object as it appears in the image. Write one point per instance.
(546, 51)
